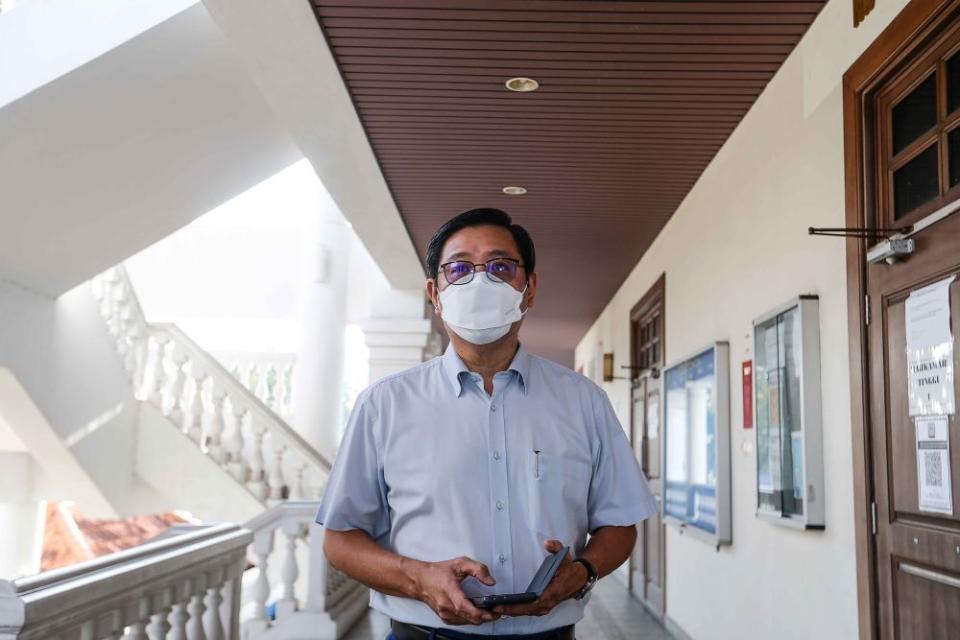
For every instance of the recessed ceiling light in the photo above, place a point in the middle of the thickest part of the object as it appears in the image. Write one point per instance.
(522, 85)
(514, 191)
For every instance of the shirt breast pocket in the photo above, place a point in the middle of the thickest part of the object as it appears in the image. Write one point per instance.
(558, 489)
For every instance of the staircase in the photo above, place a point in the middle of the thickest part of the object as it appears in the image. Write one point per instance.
(191, 404)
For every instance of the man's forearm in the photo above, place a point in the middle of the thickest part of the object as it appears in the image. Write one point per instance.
(609, 547)
(360, 557)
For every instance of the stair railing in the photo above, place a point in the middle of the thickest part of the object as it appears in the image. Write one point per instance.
(184, 587)
(214, 409)
(330, 603)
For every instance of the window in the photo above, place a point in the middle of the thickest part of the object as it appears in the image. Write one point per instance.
(787, 400)
(917, 137)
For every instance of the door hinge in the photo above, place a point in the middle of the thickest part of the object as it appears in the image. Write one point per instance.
(866, 309)
(873, 517)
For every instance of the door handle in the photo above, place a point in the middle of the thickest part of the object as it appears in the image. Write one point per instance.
(927, 574)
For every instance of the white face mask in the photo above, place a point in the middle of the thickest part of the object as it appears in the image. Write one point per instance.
(481, 311)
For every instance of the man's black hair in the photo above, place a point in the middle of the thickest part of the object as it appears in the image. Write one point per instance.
(477, 218)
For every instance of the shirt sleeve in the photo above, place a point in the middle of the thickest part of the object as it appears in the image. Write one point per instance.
(356, 497)
(619, 494)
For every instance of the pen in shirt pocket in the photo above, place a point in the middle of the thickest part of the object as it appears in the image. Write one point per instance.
(536, 463)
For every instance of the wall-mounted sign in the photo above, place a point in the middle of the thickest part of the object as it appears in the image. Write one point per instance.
(933, 465)
(696, 430)
(930, 350)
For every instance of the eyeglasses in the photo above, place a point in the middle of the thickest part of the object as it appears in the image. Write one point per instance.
(499, 270)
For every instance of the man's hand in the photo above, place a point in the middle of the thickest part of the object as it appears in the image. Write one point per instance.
(567, 582)
(438, 585)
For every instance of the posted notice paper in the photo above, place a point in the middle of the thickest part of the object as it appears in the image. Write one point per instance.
(930, 350)
(933, 464)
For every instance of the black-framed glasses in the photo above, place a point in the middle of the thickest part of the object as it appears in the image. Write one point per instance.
(499, 270)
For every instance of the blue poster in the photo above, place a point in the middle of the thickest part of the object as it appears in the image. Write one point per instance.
(690, 431)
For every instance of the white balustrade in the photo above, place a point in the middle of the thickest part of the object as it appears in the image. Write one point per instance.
(129, 594)
(239, 421)
(325, 603)
(253, 443)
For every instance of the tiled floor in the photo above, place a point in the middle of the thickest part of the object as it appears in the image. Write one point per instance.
(613, 614)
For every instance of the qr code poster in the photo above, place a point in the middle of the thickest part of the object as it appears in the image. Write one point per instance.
(933, 464)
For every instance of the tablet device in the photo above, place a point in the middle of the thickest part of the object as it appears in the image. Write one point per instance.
(536, 587)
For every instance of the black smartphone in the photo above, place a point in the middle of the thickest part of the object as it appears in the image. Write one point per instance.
(536, 587)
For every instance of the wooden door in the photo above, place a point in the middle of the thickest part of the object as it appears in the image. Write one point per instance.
(917, 551)
(647, 563)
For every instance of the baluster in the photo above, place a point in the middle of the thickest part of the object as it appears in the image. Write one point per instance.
(140, 344)
(292, 530)
(262, 546)
(195, 630)
(193, 405)
(263, 385)
(159, 371)
(211, 621)
(234, 444)
(178, 622)
(178, 380)
(216, 424)
(298, 492)
(138, 630)
(275, 473)
(159, 627)
(256, 483)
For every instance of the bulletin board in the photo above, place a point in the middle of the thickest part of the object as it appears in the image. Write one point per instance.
(696, 414)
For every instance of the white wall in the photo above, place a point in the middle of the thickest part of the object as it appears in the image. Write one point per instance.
(737, 247)
(59, 351)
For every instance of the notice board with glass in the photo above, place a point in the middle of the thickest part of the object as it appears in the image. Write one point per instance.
(696, 414)
(787, 409)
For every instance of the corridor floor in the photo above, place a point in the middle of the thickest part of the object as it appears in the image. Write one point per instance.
(613, 614)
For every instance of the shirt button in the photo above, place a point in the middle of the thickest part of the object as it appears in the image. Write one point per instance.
(493, 407)
(496, 455)
(503, 558)
(499, 506)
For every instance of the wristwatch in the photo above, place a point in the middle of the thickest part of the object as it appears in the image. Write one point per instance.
(591, 577)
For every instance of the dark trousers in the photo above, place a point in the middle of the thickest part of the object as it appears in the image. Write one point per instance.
(403, 631)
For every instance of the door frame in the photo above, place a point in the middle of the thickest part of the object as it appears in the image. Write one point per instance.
(655, 295)
(908, 31)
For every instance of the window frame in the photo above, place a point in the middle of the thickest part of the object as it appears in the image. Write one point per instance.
(882, 163)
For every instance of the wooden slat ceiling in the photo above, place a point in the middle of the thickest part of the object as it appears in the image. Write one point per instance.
(635, 99)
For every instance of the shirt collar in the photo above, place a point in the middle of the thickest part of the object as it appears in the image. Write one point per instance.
(455, 369)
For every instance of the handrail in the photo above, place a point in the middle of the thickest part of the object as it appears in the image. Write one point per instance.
(175, 579)
(48, 578)
(252, 403)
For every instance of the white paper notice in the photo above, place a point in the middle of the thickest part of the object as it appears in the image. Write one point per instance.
(933, 465)
(930, 350)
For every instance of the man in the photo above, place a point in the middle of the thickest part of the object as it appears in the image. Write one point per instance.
(458, 476)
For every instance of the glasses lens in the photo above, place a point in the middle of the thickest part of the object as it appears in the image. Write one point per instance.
(502, 270)
(458, 272)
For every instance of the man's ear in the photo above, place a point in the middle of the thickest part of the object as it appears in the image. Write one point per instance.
(531, 290)
(434, 294)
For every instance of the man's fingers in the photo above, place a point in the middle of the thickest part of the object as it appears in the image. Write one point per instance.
(469, 611)
(552, 545)
(470, 567)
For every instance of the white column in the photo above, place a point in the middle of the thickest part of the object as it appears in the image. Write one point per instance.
(396, 344)
(318, 376)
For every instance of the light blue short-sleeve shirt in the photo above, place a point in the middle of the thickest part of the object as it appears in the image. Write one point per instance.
(433, 468)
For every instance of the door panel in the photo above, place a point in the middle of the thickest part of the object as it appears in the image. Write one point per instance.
(917, 552)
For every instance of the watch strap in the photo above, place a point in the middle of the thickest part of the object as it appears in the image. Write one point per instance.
(591, 577)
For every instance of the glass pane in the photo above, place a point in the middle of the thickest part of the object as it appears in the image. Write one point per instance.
(915, 115)
(953, 83)
(953, 149)
(788, 330)
(767, 398)
(915, 183)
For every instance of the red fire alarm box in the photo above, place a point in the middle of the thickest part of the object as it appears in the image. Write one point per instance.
(748, 394)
